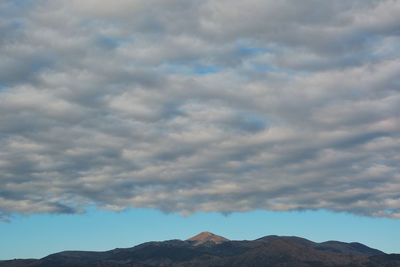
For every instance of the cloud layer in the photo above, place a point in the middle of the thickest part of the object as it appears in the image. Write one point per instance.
(200, 105)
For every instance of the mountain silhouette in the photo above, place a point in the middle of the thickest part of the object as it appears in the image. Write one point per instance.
(208, 249)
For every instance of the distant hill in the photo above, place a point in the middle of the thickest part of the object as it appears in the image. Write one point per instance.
(207, 249)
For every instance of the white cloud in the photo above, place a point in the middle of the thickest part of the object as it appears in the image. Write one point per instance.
(199, 106)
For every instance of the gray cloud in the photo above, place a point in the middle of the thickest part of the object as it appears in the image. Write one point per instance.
(200, 106)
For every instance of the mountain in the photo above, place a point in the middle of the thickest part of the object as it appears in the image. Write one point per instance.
(207, 249)
(206, 238)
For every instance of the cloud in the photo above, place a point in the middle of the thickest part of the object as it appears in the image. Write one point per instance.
(200, 106)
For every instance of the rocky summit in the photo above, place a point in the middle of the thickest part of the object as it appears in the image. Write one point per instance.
(206, 237)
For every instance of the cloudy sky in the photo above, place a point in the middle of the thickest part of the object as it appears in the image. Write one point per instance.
(199, 106)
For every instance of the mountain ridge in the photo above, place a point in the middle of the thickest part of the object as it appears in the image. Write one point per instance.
(208, 249)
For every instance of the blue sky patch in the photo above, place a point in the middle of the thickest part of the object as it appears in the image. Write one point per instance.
(108, 42)
(248, 50)
(251, 122)
(205, 70)
(188, 68)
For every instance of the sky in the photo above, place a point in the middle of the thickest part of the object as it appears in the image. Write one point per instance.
(202, 113)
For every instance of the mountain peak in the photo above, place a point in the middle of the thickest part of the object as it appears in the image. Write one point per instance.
(205, 237)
